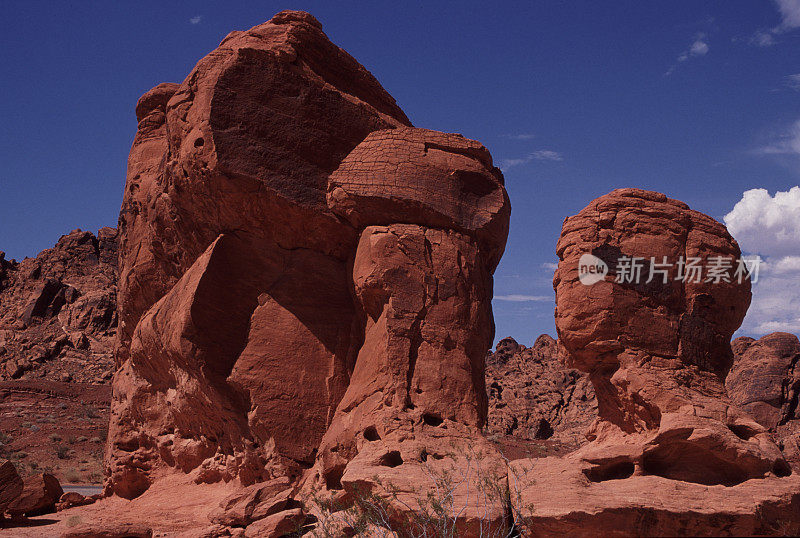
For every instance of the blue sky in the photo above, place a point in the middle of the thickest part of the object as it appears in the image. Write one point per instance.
(696, 99)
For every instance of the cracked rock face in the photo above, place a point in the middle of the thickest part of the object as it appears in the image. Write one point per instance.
(689, 320)
(765, 382)
(236, 315)
(409, 175)
(533, 395)
(58, 310)
(657, 355)
(298, 265)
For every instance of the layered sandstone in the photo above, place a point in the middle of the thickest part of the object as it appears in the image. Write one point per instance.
(668, 442)
(236, 316)
(305, 279)
(434, 218)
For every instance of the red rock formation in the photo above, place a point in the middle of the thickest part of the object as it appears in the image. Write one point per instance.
(11, 485)
(434, 218)
(39, 496)
(234, 290)
(765, 382)
(296, 260)
(657, 354)
(532, 395)
(58, 310)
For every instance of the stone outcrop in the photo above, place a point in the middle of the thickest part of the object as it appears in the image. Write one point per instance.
(305, 279)
(58, 310)
(236, 315)
(765, 382)
(533, 395)
(667, 442)
(423, 297)
(11, 485)
(39, 496)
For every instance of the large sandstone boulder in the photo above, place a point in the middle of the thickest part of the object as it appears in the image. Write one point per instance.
(657, 353)
(305, 280)
(235, 306)
(39, 496)
(765, 382)
(434, 218)
(11, 485)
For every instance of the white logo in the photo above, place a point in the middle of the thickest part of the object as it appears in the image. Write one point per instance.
(591, 269)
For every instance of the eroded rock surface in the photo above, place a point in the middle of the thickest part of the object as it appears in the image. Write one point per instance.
(533, 395)
(305, 280)
(765, 382)
(58, 310)
(657, 354)
(11, 485)
(235, 305)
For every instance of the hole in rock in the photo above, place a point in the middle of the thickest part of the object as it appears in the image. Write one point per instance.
(741, 431)
(423, 456)
(432, 419)
(691, 463)
(199, 142)
(610, 471)
(474, 182)
(543, 430)
(391, 459)
(371, 434)
(781, 468)
(333, 478)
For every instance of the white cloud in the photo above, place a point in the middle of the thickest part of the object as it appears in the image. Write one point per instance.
(547, 155)
(699, 47)
(790, 20)
(786, 143)
(517, 298)
(521, 136)
(505, 164)
(770, 227)
(196, 19)
(790, 14)
(550, 266)
(763, 38)
(793, 82)
(538, 155)
(767, 225)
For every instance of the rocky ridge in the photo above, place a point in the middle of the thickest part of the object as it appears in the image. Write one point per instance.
(57, 333)
(58, 310)
(533, 395)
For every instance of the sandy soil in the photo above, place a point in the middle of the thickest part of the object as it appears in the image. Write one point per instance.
(59, 428)
(173, 506)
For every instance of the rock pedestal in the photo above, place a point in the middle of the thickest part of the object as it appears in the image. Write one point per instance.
(305, 279)
(668, 442)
